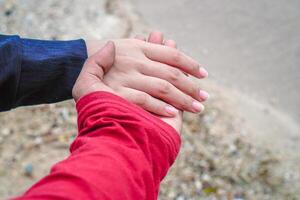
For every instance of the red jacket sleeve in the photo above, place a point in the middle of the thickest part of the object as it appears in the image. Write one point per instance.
(121, 152)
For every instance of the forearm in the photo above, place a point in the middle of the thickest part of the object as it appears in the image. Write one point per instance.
(121, 152)
(39, 71)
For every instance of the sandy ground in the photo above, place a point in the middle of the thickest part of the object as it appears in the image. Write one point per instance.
(252, 46)
(218, 159)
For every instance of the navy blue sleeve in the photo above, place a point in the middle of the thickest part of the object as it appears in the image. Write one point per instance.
(38, 71)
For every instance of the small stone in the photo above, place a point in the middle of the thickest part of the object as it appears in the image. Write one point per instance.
(239, 195)
(232, 149)
(180, 197)
(5, 131)
(62, 138)
(64, 113)
(28, 170)
(7, 13)
(198, 185)
(206, 177)
(38, 141)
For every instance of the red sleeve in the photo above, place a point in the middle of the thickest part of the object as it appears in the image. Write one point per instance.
(121, 152)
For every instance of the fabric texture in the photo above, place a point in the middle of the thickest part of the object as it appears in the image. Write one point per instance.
(38, 71)
(121, 152)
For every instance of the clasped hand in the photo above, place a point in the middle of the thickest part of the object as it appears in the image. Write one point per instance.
(151, 74)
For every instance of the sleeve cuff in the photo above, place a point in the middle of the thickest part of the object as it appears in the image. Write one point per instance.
(84, 104)
(10, 69)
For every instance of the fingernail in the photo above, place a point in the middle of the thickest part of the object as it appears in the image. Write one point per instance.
(203, 72)
(203, 95)
(171, 110)
(198, 107)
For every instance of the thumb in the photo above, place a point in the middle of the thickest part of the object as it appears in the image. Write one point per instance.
(91, 76)
(104, 59)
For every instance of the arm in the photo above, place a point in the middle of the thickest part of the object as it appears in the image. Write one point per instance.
(121, 152)
(38, 71)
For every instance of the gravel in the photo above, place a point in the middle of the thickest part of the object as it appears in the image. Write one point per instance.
(216, 160)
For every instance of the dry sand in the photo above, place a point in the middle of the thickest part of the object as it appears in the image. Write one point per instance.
(218, 159)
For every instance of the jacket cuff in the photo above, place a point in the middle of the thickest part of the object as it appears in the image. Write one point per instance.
(85, 109)
(10, 68)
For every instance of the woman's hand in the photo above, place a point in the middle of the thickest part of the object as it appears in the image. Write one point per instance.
(98, 66)
(150, 75)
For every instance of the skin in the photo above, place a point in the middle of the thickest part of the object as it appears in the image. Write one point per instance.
(157, 37)
(94, 77)
(149, 74)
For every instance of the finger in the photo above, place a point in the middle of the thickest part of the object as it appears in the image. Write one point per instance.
(104, 59)
(174, 57)
(149, 103)
(176, 122)
(162, 89)
(156, 37)
(175, 77)
(91, 75)
(140, 37)
(170, 43)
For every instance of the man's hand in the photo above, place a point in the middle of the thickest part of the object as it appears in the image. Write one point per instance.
(150, 75)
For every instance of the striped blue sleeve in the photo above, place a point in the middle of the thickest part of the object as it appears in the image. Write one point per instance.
(38, 71)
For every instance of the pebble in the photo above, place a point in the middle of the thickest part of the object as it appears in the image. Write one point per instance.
(8, 12)
(205, 177)
(38, 141)
(64, 113)
(232, 149)
(198, 185)
(5, 131)
(28, 170)
(180, 197)
(215, 120)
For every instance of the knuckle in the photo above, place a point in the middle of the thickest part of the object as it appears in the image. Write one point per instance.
(90, 61)
(187, 103)
(175, 75)
(164, 87)
(141, 66)
(155, 107)
(195, 90)
(196, 68)
(192, 88)
(142, 99)
(172, 43)
(177, 56)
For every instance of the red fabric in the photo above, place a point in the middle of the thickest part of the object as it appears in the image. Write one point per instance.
(121, 152)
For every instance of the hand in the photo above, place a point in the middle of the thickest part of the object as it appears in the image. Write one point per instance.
(91, 79)
(150, 75)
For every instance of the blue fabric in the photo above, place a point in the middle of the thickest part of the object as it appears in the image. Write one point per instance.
(38, 71)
